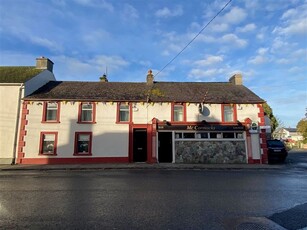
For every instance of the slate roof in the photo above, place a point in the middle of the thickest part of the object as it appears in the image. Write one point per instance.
(17, 74)
(291, 130)
(215, 92)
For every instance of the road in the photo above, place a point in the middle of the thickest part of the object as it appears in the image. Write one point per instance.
(151, 199)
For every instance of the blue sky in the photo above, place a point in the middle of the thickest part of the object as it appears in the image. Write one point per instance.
(265, 40)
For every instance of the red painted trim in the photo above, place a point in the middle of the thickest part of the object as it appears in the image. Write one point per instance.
(184, 112)
(76, 153)
(254, 161)
(118, 114)
(234, 113)
(42, 143)
(80, 160)
(93, 121)
(45, 112)
(261, 114)
(22, 132)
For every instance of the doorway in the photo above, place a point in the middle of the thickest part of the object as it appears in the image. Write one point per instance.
(139, 145)
(165, 149)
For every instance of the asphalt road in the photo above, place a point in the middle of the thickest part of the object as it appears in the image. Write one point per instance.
(154, 199)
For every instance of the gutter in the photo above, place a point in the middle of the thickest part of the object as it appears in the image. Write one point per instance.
(17, 122)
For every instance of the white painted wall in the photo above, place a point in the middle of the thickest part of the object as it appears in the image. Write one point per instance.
(247, 111)
(9, 99)
(110, 138)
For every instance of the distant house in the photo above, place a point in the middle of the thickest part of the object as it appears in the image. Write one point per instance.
(17, 82)
(177, 122)
(290, 134)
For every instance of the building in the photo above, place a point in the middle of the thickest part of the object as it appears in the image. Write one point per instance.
(178, 122)
(289, 134)
(17, 82)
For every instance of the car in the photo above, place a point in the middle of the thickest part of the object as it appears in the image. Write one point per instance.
(277, 152)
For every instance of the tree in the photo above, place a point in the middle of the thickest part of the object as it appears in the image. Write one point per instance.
(269, 112)
(302, 128)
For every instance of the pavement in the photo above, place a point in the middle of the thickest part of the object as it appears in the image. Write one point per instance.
(119, 166)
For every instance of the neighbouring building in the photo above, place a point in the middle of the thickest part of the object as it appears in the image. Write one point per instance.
(17, 82)
(289, 134)
(178, 122)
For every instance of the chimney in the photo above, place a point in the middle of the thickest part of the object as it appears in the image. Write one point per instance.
(150, 77)
(236, 79)
(44, 63)
(104, 78)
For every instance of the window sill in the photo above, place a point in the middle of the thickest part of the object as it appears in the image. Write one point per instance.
(123, 122)
(86, 122)
(82, 154)
(50, 122)
(47, 154)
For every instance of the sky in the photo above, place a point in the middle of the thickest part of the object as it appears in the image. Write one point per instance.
(264, 40)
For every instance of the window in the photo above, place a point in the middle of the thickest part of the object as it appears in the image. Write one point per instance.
(48, 143)
(87, 113)
(51, 112)
(178, 112)
(124, 113)
(229, 113)
(83, 143)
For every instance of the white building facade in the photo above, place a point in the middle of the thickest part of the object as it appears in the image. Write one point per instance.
(16, 83)
(154, 122)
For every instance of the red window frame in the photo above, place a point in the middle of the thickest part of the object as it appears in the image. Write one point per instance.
(41, 144)
(45, 106)
(93, 121)
(234, 106)
(76, 152)
(118, 121)
(184, 112)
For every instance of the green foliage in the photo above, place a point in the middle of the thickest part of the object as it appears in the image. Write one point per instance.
(269, 112)
(302, 129)
(155, 92)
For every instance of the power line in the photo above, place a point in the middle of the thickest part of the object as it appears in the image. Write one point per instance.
(194, 37)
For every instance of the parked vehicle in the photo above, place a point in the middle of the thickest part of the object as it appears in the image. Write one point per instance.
(277, 152)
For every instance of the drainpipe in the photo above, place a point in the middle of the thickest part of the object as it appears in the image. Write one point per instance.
(17, 123)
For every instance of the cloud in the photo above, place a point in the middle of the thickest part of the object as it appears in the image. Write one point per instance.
(247, 28)
(44, 42)
(294, 22)
(130, 12)
(166, 12)
(209, 60)
(94, 37)
(233, 40)
(96, 4)
(260, 58)
(257, 60)
(229, 39)
(111, 62)
(234, 16)
(201, 74)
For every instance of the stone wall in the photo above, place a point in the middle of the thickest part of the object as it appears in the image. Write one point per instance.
(208, 152)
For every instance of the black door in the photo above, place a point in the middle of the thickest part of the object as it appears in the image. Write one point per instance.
(165, 149)
(139, 145)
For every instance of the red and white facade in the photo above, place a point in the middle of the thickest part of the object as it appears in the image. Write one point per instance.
(79, 131)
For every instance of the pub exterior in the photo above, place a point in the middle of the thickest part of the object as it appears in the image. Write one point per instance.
(153, 122)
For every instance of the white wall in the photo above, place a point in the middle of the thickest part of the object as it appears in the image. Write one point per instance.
(109, 138)
(9, 96)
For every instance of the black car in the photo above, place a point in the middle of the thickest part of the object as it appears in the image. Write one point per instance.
(277, 151)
